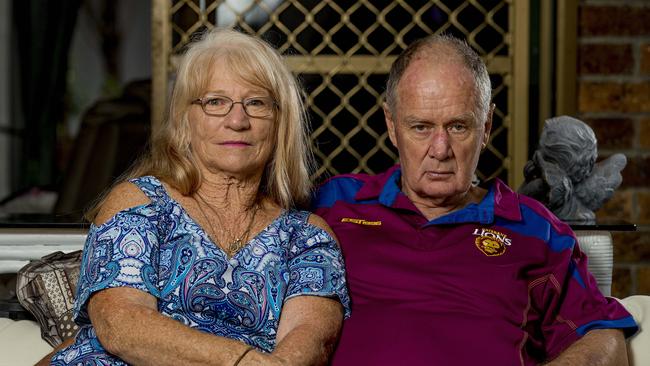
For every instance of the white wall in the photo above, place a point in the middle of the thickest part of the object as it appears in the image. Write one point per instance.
(5, 24)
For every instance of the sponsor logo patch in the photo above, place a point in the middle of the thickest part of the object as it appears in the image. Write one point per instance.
(491, 242)
(361, 221)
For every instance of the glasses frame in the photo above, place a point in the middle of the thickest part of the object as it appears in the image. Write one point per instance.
(202, 102)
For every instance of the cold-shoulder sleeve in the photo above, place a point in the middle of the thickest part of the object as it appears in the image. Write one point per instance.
(316, 266)
(123, 252)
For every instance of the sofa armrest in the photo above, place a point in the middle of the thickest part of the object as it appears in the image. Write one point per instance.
(637, 346)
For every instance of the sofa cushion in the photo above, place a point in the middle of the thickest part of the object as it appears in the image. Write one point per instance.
(21, 343)
(637, 349)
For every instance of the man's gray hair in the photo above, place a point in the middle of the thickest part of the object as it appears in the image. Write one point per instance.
(439, 43)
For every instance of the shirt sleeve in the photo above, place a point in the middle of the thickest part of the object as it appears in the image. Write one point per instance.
(316, 266)
(569, 302)
(123, 252)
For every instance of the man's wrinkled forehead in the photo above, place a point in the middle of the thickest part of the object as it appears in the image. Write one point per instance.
(440, 58)
(437, 78)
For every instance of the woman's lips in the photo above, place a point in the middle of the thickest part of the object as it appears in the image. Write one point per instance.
(235, 143)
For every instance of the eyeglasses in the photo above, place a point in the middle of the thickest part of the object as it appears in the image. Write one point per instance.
(220, 105)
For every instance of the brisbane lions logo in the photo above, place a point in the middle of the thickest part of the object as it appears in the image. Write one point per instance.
(490, 242)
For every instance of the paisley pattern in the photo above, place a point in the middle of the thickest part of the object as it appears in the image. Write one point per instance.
(159, 249)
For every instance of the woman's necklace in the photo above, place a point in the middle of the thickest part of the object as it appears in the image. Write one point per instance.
(236, 242)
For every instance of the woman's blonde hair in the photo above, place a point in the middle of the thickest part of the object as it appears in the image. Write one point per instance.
(170, 158)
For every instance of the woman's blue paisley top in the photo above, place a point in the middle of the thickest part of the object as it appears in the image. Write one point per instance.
(158, 248)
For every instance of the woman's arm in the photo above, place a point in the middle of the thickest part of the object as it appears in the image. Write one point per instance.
(129, 326)
(308, 332)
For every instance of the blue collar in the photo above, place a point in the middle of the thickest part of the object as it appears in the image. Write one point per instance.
(500, 200)
(391, 188)
(482, 212)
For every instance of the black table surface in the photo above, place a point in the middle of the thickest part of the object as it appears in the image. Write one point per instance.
(70, 221)
(44, 221)
(603, 225)
(11, 308)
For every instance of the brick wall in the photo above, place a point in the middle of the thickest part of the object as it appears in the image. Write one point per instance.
(614, 98)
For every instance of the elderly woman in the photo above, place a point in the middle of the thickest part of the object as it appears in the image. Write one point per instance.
(200, 256)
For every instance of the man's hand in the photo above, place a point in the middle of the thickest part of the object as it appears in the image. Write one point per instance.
(45, 361)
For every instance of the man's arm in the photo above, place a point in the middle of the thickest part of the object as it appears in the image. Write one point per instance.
(599, 347)
(45, 361)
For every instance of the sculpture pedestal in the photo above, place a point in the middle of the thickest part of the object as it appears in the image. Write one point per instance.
(595, 240)
(599, 248)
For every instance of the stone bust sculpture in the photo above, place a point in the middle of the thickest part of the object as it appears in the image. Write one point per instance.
(563, 172)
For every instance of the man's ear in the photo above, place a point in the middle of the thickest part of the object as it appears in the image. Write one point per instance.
(390, 124)
(488, 126)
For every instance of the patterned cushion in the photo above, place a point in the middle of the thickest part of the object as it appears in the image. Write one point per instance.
(46, 288)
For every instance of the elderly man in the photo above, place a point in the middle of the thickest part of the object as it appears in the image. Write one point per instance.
(445, 272)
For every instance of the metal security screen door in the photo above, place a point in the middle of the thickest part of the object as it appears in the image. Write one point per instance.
(342, 51)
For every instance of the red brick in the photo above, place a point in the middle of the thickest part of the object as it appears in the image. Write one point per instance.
(599, 96)
(643, 201)
(621, 282)
(614, 20)
(612, 133)
(613, 97)
(631, 246)
(605, 59)
(637, 172)
(636, 97)
(644, 133)
(618, 207)
(643, 280)
(645, 59)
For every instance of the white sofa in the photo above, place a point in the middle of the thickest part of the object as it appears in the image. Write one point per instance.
(21, 343)
(638, 346)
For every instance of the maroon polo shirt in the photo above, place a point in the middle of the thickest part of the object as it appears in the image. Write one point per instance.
(501, 282)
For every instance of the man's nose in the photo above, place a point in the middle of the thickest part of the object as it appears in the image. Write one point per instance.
(439, 145)
(237, 119)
